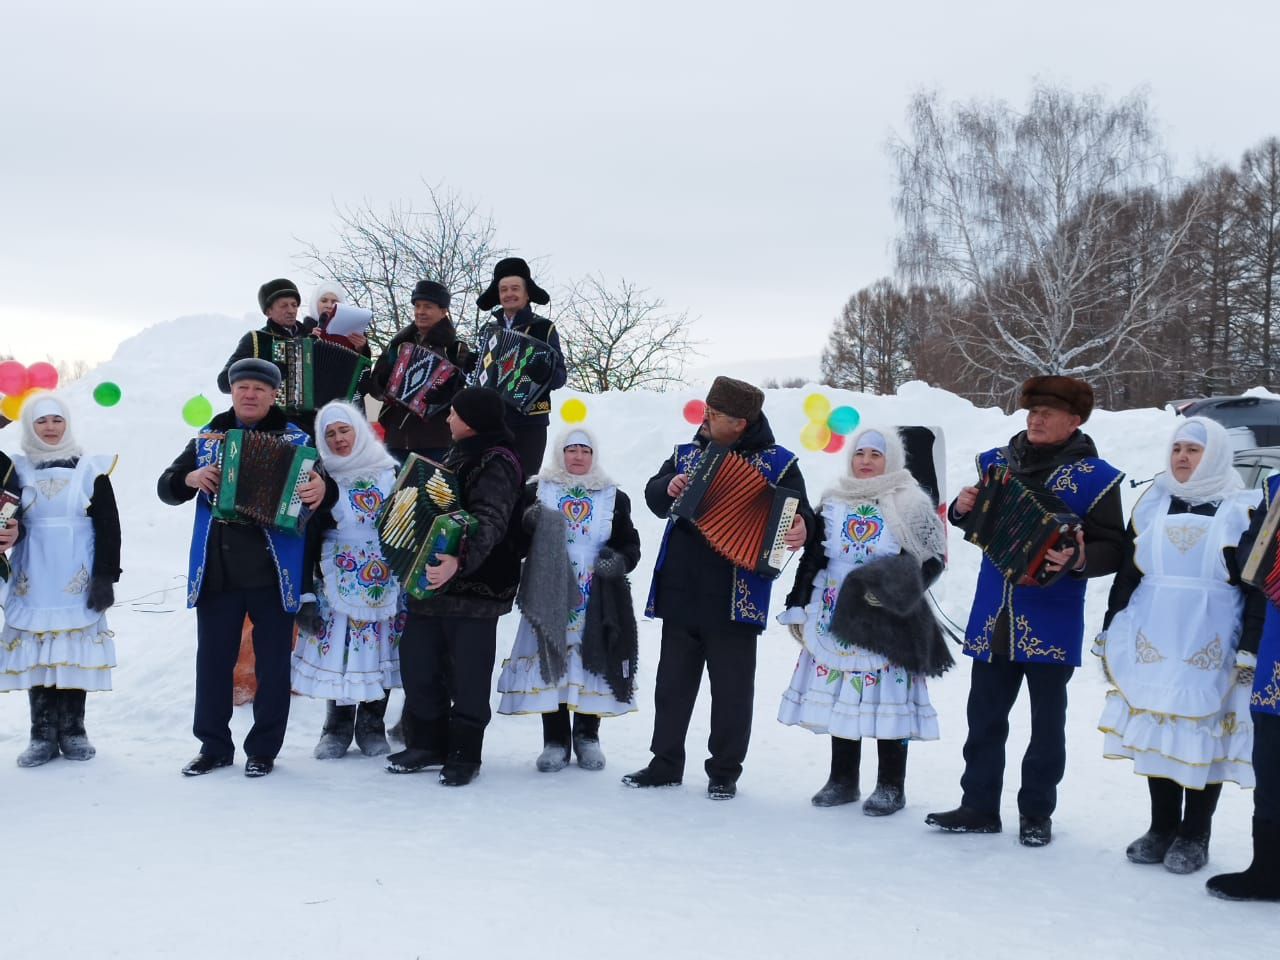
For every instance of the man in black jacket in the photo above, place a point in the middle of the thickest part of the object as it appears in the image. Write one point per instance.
(449, 643)
(238, 569)
(712, 612)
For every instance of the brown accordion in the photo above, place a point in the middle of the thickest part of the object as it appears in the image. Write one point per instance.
(418, 371)
(261, 474)
(1262, 569)
(741, 515)
(1016, 525)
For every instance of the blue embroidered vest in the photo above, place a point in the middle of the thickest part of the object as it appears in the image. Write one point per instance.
(1046, 623)
(286, 549)
(749, 603)
(1266, 679)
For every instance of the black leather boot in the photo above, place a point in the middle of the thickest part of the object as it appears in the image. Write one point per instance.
(465, 744)
(1261, 880)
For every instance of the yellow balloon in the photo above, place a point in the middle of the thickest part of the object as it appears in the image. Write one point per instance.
(573, 411)
(11, 406)
(815, 436)
(817, 408)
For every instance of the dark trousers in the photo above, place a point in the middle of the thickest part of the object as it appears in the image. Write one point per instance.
(219, 622)
(1266, 766)
(446, 666)
(728, 651)
(530, 444)
(993, 689)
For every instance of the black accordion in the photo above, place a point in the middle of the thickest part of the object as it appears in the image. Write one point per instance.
(10, 510)
(421, 519)
(315, 371)
(518, 367)
(261, 474)
(742, 516)
(1016, 524)
(417, 373)
(1262, 568)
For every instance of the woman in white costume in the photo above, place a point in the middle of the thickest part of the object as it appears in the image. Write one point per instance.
(348, 649)
(575, 649)
(1173, 627)
(55, 643)
(858, 609)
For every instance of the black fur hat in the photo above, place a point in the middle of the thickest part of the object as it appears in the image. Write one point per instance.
(273, 290)
(431, 292)
(512, 267)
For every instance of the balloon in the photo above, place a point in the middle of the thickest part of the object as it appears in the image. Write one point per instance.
(844, 420)
(197, 411)
(11, 406)
(107, 394)
(815, 436)
(694, 411)
(43, 375)
(816, 408)
(835, 444)
(573, 411)
(13, 378)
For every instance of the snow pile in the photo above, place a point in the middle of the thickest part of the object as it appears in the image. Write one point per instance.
(122, 856)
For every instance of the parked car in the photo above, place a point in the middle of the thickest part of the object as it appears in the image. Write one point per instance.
(1260, 415)
(1257, 465)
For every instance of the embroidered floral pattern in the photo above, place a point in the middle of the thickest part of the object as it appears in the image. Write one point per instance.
(981, 644)
(78, 583)
(1031, 646)
(1065, 477)
(50, 487)
(365, 499)
(863, 525)
(1185, 538)
(1269, 694)
(1144, 651)
(1211, 657)
(22, 586)
(577, 507)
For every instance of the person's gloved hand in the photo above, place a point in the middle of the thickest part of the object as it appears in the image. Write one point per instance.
(610, 563)
(102, 594)
(538, 369)
(308, 618)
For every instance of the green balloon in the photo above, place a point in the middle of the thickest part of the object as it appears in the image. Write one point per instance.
(106, 394)
(197, 411)
(843, 420)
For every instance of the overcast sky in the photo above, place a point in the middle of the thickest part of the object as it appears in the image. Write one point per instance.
(162, 159)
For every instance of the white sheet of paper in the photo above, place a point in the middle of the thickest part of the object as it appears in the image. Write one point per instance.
(348, 319)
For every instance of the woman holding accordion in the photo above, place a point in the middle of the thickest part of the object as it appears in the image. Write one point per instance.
(1176, 619)
(858, 609)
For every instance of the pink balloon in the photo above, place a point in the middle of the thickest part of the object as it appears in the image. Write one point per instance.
(13, 378)
(834, 445)
(694, 411)
(42, 375)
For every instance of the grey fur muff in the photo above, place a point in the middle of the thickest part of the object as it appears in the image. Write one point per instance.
(882, 608)
(548, 591)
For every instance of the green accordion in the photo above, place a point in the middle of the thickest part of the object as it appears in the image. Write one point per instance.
(422, 519)
(261, 474)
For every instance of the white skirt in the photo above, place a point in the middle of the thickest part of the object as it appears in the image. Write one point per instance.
(351, 661)
(79, 658)
(524, 691)
(881, 702)
(1191, 751)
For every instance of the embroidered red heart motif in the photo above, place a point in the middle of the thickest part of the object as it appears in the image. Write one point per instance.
(366, 501)
(576, 509)
(862, 529)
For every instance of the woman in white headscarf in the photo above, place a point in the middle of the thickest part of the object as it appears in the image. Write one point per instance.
(349, 636)
(55, 643)
(858, 609)
(1173, 628)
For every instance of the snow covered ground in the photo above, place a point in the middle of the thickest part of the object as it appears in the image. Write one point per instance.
(123, 857)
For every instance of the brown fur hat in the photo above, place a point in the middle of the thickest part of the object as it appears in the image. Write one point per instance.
(737, 398)
(1063, 393)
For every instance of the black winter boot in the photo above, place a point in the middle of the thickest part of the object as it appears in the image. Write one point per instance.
(890, 793)
(465, 744)
(72, 740)
(1261, 881)
(427, 746)
(842, 785)
(44, 727)
(586, 741)
(555, 741)
(371, 734)
(964, 820)
(335, 736)
(1166, 814)
(1190, 849)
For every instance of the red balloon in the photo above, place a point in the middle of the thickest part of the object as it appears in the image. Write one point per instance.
(836, 443)
(13, 378)
(42, 375)
(694, 411)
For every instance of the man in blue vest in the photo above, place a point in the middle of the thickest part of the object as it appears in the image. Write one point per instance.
(712, 612)
(1034, 632)
(238, 569)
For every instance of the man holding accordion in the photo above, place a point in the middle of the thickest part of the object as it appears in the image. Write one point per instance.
(1031, 623)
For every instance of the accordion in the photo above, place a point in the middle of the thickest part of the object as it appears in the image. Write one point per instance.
(315, 371)
(508, 362)
(417, 372)
(1016, 525)
(421, 519)
(261, 474)
(1262, 568)
(741, 515)
(10, 509)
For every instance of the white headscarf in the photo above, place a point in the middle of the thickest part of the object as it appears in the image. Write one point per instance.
(555, 472)
(1214, 478)
(368, 457)
(44, 405)
(320, 290)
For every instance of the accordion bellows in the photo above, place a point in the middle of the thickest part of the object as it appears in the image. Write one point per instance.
(741, 515)
(504, 363)
(1016, 524)
(417, 372)
(315, 372)
(421, 519)
(1262, 568)
(261, 474)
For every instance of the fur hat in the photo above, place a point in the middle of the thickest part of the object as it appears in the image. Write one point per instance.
(736, 398)
(326, 286)
(481, 409)
(273, 290)
(1062, 393)
(512, 267)
(255, 368)
(431, 292)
